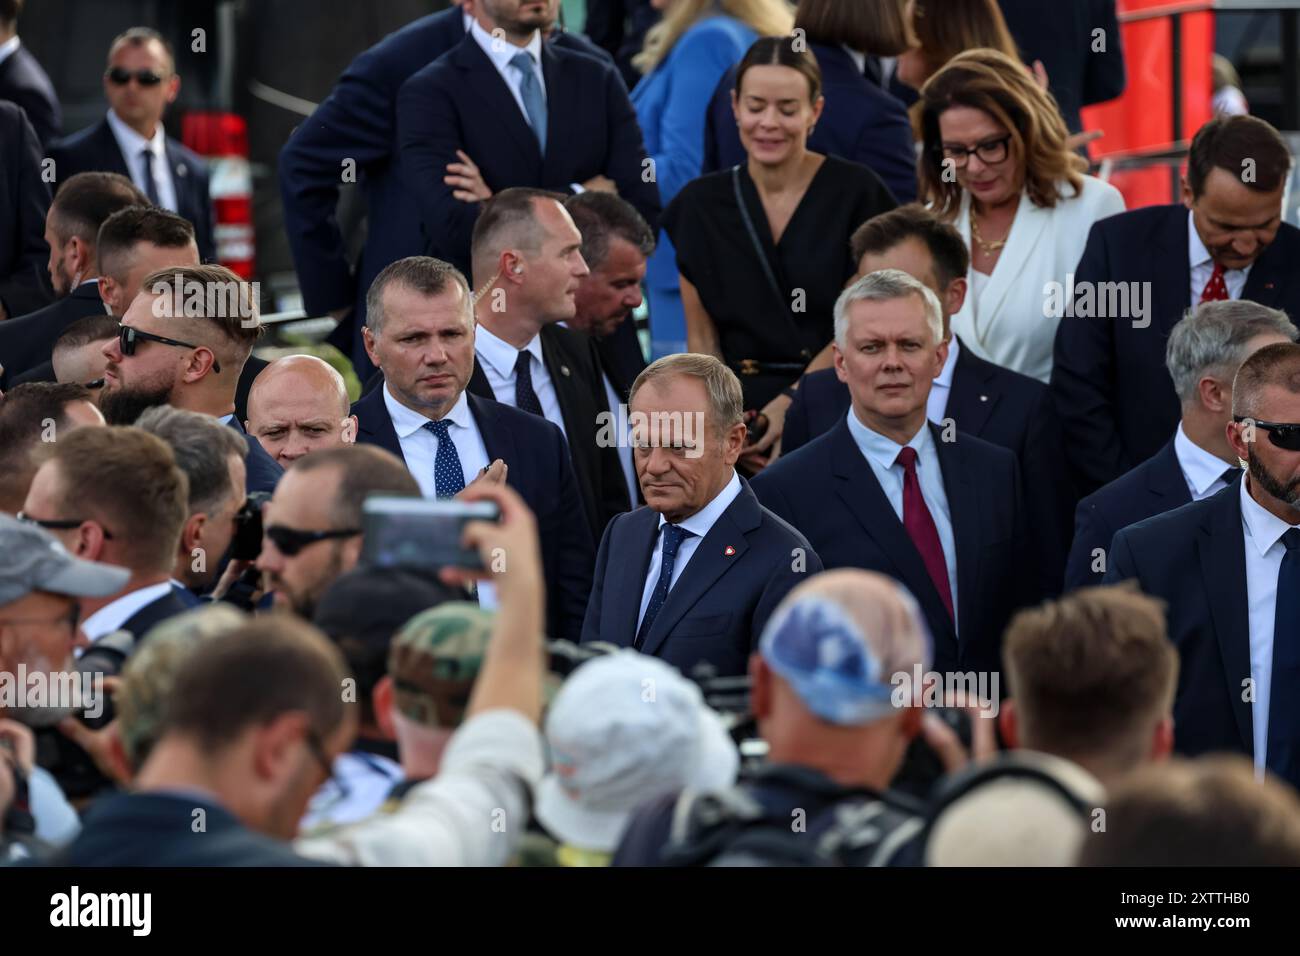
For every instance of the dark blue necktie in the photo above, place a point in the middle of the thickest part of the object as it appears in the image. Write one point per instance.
(448, 476)
(674, 535)
(531, 92)
(525, 398)
(1284, 688)
(150, 184)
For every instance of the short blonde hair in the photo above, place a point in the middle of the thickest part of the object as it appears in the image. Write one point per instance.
(725, 398)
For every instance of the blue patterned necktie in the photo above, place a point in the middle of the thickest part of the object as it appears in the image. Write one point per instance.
(526, 399)
(448, 476)
(1283, 756)
(674, 535)
(531, 91)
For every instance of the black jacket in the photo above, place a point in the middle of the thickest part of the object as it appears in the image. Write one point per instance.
(24, 201)
(28, 341)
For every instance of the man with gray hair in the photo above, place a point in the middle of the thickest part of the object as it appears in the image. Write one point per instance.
(1204, 352)
(885, 490)
(693, 576)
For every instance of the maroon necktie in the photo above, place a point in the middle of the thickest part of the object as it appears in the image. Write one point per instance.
(1216, 290)
(921, 528)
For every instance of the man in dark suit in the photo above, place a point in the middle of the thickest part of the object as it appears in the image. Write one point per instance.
(1205, 350)
(977, 397)
(694, 575)
(887, 491)
(139, 83)
(22, 81)
(207, 312)
(72, 233)
(357, 124)
(1083, 66)
(619, 27)
(24, 202)
(420, 333)
(1228, 570)
(527, 267)
(1227, 241)
(502, 110)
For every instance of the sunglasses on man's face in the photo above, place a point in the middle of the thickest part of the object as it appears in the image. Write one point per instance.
(120, 76)
(129, 337)
(289, 541)
(1285, 435)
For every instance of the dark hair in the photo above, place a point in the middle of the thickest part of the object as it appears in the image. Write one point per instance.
(914, 221)
(781, 51)
(87, 329)
(602, 216)
(1230, 143)
(422, 274)
(508, 218)
(139, 36)
(249, 677)
(24, 411)
(10, 10)
(879, 28)
(366, 470)
(85, 201)
(126, 227)
(945, 28)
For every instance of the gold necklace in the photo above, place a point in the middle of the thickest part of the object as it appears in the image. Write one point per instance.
(989, 248)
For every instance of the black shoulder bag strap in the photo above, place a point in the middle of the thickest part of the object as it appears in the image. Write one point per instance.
(782, 297)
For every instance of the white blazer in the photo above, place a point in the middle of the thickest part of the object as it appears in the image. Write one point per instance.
(1005, 323)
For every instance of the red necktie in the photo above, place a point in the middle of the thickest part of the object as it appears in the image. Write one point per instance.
(921, 528)
(1216, 290)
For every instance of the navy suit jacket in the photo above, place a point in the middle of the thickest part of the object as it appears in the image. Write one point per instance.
(1112, 390)
(95, 149)
(25, 83)
(539, 469)
(828, 491)
(24, 201)
(27, 341)
(621, 357)
(989, 402)
(461, 102)
(1193, 558)
(159, 829)
(1152, 488)
(263, 471)
(358, 122)
(716, 611)
(155, 612)
(861, 123)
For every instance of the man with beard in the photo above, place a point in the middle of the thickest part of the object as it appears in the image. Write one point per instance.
(1228, 568)
(183, 342)
(40, 584)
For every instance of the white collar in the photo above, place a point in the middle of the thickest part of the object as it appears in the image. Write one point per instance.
(503, 52)
(407, 421)
(1198, 465)
(499, 353)
(700, 523)
(9, 48)
(950, 363)
(133, 143)
(1263, 527)
(882, 449)
(117, 612)
(859, 58)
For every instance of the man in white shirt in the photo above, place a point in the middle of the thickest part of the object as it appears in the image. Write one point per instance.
(1203, 354)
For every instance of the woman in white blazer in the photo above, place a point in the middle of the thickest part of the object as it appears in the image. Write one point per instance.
(996, 164)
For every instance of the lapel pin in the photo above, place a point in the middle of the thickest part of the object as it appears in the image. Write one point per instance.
(984, 398)
(181, 170)
(728, 550)
(1268, 285)
(564, 370)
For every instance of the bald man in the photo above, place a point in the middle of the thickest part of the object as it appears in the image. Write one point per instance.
(299, 404)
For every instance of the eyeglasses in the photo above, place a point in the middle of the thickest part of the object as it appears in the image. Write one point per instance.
(290, 540)
(120, 76)
(59, 524)
(72, 618)
(991, 152)
(1285, 435)
(129, 337)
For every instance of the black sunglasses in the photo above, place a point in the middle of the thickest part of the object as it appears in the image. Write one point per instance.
(128, 337)
(990, 152)
(290, 541)
(58, 524)
(119, 76)
(1285, 435)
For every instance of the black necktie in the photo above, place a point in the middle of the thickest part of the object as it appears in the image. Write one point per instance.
(525, 398)
(150, 186)
(1283, 756)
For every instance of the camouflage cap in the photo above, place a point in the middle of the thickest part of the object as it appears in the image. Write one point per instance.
(434, 660)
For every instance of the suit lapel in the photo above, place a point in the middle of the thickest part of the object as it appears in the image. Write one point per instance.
(497, 101)
(1172, 290)
(497, 440)
(970, 399)
(570, 397)
(561, 128)
(111, 152)
(1223, 563)
(1264, 284)
(375, 424)
(1165, 477)
(478, 382)
(625, 579)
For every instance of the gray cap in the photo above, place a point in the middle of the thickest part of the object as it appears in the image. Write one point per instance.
(31, 559)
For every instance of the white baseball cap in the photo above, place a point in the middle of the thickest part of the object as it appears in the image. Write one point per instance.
(624, 729)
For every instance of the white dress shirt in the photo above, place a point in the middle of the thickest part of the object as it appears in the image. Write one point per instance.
(501, 52)
(1263, 531)
(131, 144)
(881, 453)
(113, 615)
(1202, 471)
(498, 357)
(699, 524)
(624, 443)
(1203, 267)
(8, 48)
(937, 404)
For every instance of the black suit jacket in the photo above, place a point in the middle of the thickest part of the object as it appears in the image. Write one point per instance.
(28, 340)
(621, 357)
(989, 402)
(154, 613)
(828, 491)
(1112, 391)
(1153, 487)
(460, 102)
(716, 611)
(252, 368)
(619, 28)
(24, 83)
(574, 368)
(1193, 558)
(95, 148)
(539, 469)
(263, 472)
(24, 201)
